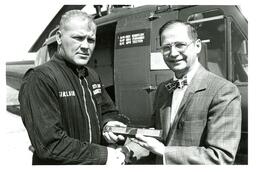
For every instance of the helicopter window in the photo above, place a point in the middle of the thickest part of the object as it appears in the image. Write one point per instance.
(240, 55)
(205, 15)
(211, 30)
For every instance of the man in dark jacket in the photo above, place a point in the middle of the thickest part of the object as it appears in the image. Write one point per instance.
(64, 105)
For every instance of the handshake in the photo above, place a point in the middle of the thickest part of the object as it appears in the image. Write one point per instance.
(115, 131)
(117, 155)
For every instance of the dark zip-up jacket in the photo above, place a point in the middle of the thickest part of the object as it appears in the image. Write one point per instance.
(64, 110)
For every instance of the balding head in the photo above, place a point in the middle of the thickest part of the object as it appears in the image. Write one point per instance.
(192, 33)
(76, 14)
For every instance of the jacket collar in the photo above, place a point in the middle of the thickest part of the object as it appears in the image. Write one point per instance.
(80, 71)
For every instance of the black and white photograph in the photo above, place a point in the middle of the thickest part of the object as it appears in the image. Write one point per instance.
(137, 84)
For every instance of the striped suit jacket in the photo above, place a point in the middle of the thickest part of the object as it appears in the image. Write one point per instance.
(207, 127)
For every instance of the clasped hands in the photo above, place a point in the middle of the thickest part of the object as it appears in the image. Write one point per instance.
(116, 156)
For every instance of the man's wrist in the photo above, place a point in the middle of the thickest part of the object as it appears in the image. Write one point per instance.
(127, 152)
(115, 156)
(161, 150)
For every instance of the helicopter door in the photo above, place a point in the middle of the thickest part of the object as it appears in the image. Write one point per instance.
(131, 64)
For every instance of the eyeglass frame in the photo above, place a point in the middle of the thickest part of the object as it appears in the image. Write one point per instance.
(174, 44)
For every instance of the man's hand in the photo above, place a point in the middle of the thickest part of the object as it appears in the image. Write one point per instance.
(115, 157)
(111, 137)
(150, 143)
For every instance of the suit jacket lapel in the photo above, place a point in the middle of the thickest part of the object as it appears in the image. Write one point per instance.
(165, 110)
(185, 101)
(165, 115)
(197, 84)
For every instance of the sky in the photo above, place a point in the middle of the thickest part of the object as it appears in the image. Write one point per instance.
(29, 18)
(24, 26)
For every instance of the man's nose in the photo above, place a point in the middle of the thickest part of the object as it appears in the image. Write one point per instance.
(84, 44)
(174, 51)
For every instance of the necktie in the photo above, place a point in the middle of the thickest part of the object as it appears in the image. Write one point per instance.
(182, 82)
(174, 84)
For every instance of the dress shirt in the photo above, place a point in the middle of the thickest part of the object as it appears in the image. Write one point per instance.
(178, 94)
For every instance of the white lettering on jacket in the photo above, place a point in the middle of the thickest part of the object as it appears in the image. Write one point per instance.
(67, 93)
(97, 91)
(96, 88)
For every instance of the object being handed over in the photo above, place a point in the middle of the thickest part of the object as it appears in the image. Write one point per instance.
(150, 143)
(109, 136)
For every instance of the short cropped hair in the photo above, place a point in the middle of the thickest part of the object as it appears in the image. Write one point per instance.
(76, 13)
(192, 32)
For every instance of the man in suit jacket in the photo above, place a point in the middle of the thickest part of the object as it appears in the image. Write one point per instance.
(201, 119)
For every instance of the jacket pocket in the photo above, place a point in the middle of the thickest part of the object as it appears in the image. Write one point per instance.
(191, 132)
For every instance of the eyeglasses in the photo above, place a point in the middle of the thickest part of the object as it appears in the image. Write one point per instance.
(179, 46)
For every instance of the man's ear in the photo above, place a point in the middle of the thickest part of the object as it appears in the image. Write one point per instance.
(198, 45)
(58, 37)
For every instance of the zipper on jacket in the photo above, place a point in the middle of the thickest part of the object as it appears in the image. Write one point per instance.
(86, 111)
(93, 103)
